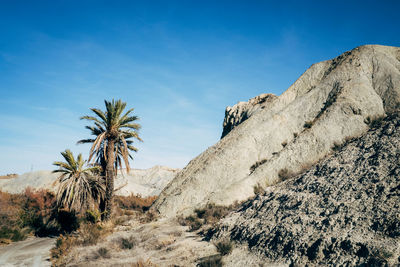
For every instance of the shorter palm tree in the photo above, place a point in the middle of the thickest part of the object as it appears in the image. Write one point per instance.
(79, 187)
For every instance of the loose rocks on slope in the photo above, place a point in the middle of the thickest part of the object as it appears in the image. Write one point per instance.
(342, 211)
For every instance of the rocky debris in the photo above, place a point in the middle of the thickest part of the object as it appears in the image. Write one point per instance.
(243, 110)
(148, 182)
(159, 243)
(344, 211)
(332, 101)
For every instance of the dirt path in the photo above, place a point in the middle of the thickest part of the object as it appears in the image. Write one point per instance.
(33, 252)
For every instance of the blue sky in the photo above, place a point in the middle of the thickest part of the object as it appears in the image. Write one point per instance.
(178, 63)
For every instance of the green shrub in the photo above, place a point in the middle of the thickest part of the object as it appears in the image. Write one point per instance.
(92, 216)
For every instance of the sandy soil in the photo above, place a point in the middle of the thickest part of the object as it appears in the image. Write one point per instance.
(33, 252)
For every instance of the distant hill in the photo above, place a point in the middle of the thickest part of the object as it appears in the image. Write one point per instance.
(147, 182)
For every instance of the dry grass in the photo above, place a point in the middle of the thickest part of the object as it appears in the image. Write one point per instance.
(256, 165)
(209, 215)
(224, 247)
(285, 174)
(210, 261)
(142, 263)
(134, 202)
(258, 189)
(127, 243)
(102, 253)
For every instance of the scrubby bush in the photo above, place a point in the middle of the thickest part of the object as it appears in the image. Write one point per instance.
(210, 214)
(127, 243)
(33, 211)
(258, 189)
(135, 202)
(210, 261)
(285, 174)
(92, 216)
(103, 253)
(308, 124)
(256, 165)
(224, 247)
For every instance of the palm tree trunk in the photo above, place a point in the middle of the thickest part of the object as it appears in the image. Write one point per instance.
(109, 179)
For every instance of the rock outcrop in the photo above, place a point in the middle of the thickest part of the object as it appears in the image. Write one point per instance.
(243, 110)
(147, 182)
(332, 101)
(344, 211)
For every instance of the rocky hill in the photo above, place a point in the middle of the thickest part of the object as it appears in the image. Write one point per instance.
(344, 211)
(148, 182)
(264, 141)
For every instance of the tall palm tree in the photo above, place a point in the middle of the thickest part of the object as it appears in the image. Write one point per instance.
(112, 130)
(79, 186)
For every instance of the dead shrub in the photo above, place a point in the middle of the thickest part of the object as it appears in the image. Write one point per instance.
(208, 215)
(285, 174)
(210, 261)
(258, 189)
(134, 202)
(284, 143)
(60, 250)
(102, 253)
(142, 263)
(90, 234)
(374, 122)
(127, 243)
(308, 124)
(256, 165)
(224, 247)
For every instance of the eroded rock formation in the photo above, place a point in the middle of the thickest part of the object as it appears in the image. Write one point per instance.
(332, 101)
(344, 211)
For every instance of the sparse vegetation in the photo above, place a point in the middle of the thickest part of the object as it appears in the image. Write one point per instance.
(224, 247)
(308, 124)
(256, 165)
(285, 174)
(374, 122)
(32, 212)
(211, 261)
(127, 243)
(142, 263)
(103, 253)
(209, 215)
(336, 146)
(134, 202)
(258, 189)
(295, 135)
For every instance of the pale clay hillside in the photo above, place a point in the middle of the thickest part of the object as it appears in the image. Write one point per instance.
(332, 101)
(145, 182)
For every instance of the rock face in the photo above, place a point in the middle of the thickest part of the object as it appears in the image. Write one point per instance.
(344, 211)
(333, 100)
(148, 182)
(243, 110)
